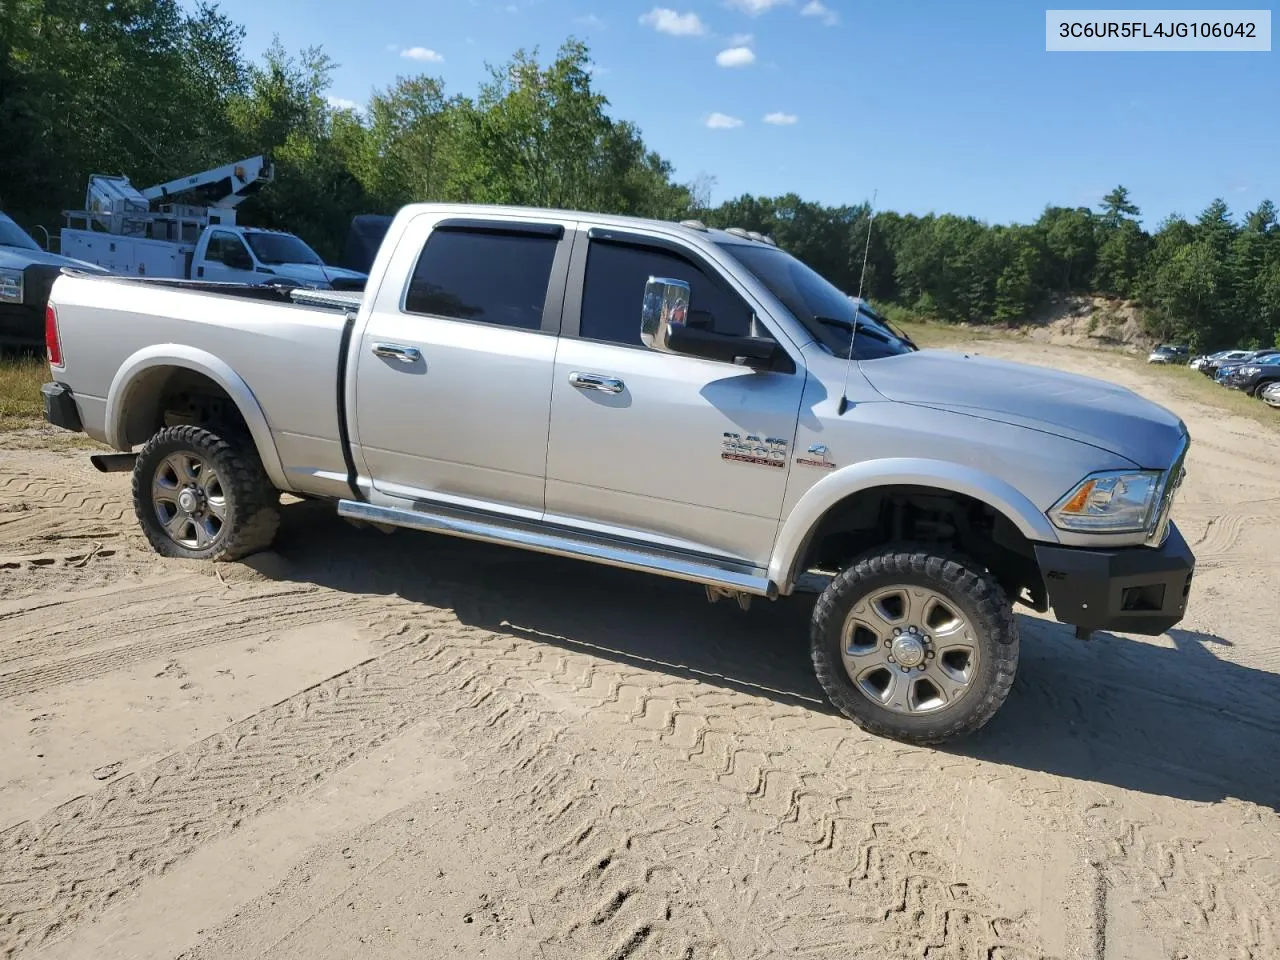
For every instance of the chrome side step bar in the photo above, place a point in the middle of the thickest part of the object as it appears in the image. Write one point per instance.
(563, 543)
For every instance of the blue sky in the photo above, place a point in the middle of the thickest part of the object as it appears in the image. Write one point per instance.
(940, 106)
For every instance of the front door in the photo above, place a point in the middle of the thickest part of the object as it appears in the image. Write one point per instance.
(684, 452)
(453, 386)
(227, 259)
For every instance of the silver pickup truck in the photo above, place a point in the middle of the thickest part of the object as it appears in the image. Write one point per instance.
(662, 397)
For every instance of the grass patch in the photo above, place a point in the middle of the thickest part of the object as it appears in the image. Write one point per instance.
(929, 333)
(1188, 384)
(20, 402)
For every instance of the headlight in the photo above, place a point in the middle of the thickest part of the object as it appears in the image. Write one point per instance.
(1109, 502)
(1249, 371)
(11, 286)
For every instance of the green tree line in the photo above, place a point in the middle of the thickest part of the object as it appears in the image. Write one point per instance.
(154, 89)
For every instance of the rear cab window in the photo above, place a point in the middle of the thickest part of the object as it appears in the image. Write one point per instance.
(484, 275)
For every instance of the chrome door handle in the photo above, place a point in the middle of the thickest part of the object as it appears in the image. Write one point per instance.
(596, 381)
(393, 351)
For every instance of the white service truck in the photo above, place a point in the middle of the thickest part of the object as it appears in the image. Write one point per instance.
(119, 230)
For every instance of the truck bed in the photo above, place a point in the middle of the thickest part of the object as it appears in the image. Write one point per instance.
(285, 346)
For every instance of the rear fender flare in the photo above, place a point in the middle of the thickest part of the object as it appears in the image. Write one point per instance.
(174, 355)
(799, 525)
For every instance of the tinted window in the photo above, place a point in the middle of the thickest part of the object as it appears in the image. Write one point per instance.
(488, 277)
(11, 235)
(614, 294)
(222, 244)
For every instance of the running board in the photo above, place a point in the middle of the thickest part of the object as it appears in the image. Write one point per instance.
(563, 543)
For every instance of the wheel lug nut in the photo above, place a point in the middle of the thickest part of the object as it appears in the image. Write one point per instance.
(906, 669)
(891, 660)
(928, 654)
(888, 643)
(896, 631)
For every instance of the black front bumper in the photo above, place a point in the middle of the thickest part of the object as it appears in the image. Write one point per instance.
(21, 325)
(1128, 590)
(60, 407)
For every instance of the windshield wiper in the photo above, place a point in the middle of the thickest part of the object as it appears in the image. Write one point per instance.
(868, 330)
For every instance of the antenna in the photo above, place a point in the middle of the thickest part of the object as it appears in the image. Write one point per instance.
(853, 334)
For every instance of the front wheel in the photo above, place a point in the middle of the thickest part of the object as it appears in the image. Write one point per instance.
(199, 496)
(915, 643)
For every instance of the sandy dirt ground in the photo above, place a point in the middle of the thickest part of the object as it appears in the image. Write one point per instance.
(408, 746)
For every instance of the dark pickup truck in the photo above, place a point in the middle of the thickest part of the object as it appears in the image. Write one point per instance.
(26, 274)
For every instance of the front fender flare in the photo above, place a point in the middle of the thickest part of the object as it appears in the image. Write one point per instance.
(798, 526)
(175, 355)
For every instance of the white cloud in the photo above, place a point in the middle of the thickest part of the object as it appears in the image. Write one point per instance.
(780, 119)
(590, 20)
(722, 121)
(736, 57)
(741, 40)
(756, 7)
(665, 20)
(342, 103)
(423, 54)
(816, 8)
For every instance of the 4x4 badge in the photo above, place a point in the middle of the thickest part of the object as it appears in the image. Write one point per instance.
(817, 457)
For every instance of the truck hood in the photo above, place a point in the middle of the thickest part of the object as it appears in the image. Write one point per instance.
(18, 258)
(314, 273)
(1104, 415)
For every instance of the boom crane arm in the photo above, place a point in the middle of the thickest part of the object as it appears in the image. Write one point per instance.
(223, 187)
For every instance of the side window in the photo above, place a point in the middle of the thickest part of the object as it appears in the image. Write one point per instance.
(213, 250)
(223, 245)
(614, 289)
(486, 277)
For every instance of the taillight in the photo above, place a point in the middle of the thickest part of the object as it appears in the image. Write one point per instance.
(51, 341)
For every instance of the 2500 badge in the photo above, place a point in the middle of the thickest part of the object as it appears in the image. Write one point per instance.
(766, 451)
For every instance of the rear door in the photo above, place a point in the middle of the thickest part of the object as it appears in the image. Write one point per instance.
(453, 385)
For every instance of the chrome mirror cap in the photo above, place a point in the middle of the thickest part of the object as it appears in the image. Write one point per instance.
(666, 306)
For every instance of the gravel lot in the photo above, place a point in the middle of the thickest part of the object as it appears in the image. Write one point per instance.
(408, 746)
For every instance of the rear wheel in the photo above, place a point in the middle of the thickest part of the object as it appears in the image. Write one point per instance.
(915, 643)
(199, 496)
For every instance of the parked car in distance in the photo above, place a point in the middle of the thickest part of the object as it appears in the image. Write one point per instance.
(1270, 394)
(1166, 353)
(1211, 363)
(1227, 367)
(27, 271)
(1252, 375)
(656, 396)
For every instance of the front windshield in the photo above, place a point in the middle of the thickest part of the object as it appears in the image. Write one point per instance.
(826, 312)
(12, 235)
(280, 248)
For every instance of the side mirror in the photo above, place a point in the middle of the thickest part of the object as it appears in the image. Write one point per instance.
(666, 308)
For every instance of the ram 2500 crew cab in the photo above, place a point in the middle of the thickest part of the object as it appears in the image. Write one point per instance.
(657, 396)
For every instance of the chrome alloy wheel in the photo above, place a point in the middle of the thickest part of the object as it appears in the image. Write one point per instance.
(909, 649)
(189, 500)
